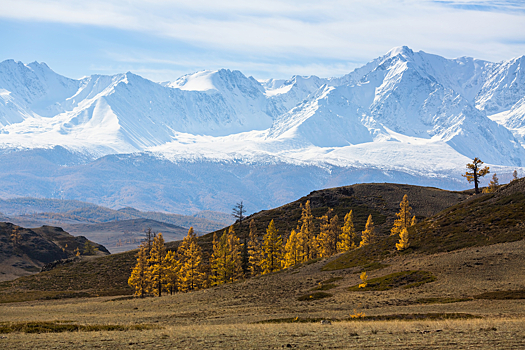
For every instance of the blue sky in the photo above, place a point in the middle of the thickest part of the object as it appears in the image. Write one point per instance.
(162, 40)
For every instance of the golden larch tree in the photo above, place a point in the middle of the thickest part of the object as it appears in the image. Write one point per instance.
(404, 217)
(493, 185)
(306, 233)
(157, 265)
(475, 172)
(369, 234)
(190, 253)
(364, 278)
(254, 251)
(172, 271)
(235, 260)
(272, 248)
(140, 279)
(403, 240)
(348, 234)
(292, 249)
(328, 235)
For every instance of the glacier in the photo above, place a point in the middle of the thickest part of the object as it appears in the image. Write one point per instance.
(212, 138)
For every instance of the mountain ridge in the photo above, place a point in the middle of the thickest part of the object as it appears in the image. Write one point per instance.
(400, 114)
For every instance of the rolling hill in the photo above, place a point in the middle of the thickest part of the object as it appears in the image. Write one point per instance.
(444, 216)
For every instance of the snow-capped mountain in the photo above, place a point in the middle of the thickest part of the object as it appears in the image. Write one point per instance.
(406, 116)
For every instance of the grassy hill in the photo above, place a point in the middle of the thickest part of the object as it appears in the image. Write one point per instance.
(447, 221)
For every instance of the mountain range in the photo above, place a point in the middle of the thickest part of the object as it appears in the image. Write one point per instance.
(213, 138)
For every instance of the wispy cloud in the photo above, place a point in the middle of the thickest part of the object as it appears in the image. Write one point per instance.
(267, 32)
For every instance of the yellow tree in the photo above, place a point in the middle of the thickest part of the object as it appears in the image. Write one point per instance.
(140, 279)
(292, 249)
(476, 172)
(190, 253)
(347, 237)
(16, 238)
(404, 219)
(403, 240)
(368, 235)
(272, 248)
(172, 271)
(306, 233)
(157, 267)
(255, 251)
(234, 261)
(364, 278)
(328, 235)
(493, 185)
(226, 258)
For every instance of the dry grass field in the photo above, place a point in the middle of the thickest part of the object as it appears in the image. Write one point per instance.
(468, 306)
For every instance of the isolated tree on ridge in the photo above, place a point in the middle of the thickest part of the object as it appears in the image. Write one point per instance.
(476, 172)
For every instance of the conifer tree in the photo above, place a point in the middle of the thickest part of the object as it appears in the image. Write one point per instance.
(364, 278)
(215, 261)
(476, 172)
(306, 233)
(238, 212)
(368, 235)
(493, 185)
(235, 263)
(255, 251)
(140, 279)
(157, 265)
(89, 249)
(172, 271)
(328, 235)
(272, 248)
(404, 219)
(16, 238)
(190, 253)
(347, 237)
(77, 251)
(292, 251)
(403, 240)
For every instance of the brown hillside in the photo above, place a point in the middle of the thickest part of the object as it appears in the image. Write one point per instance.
(382, 200)
(36, 247)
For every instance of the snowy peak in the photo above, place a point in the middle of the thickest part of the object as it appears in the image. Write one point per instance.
(400, 99)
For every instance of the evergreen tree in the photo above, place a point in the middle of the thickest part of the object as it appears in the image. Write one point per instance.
(292, 248)
(157, 266)
(172, 271)
(403, 240)
(190, 253)
(306, 234)
(348, 234)
(272, 248)
(368, 235)
(238, 213)
(404, 219)
(328, 235)
(140, 279)
(255, 251)
(476, 172)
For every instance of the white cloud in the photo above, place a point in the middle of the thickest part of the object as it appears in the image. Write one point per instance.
(331, 29)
